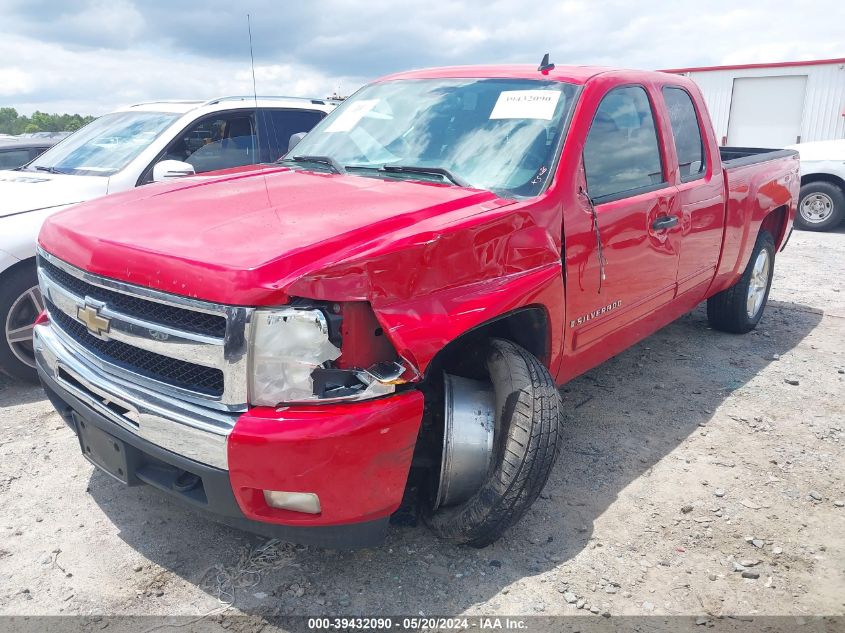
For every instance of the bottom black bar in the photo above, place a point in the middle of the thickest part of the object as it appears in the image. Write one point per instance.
(218, 622)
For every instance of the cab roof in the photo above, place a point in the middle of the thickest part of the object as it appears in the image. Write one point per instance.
(569, 74)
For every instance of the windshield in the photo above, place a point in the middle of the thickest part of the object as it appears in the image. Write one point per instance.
(105, 146)
(496, 134)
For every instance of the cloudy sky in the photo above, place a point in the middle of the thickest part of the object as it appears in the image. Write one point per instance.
(89, 56)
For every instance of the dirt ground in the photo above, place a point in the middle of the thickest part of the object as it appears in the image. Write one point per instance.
(695, 479)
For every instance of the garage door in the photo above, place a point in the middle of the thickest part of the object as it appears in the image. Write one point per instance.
(766, 111)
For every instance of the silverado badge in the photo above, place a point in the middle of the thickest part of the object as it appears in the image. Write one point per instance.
(594, 314)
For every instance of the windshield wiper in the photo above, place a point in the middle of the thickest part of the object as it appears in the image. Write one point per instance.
(50, 170)
(328, 161)
(435, 171)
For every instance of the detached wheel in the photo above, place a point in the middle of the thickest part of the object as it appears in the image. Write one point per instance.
(738, 309)
(478, 497)
(20, 304)
(821, 206)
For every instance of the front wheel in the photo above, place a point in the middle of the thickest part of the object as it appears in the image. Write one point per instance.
(738, 309)
(20, 304)
(526, 441)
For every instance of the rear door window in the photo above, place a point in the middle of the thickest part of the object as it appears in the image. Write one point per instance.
(276, 126)
(689, 145)
(622, 155)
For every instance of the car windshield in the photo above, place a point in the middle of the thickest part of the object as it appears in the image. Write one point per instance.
(500, 135)
(105, 146)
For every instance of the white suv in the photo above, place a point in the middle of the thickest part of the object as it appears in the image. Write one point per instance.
(131, 147)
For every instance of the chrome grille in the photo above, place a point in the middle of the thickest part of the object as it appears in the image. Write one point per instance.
(185, 348)
(154, 366)
(180, 318)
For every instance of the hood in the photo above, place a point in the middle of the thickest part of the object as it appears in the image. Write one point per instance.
(22, 191)
(243, 238)
(821, 150)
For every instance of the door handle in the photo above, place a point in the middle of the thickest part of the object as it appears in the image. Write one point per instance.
(664, 222)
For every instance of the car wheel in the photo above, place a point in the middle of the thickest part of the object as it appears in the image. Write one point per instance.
(20, 304)
(821, 206)
(738, 309)
(525, 424)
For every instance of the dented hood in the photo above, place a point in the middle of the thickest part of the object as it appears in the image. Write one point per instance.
(244, 237)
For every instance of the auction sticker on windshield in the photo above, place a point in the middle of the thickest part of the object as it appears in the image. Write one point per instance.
(349, 116)
(526, 104)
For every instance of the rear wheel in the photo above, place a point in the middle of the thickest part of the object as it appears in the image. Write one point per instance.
(739, 308)
(20, 304)
(820, 207)
(525, 441)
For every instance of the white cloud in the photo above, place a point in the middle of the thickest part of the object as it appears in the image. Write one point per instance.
(14, 82)
(51, 78)
(93, 55)
(112, 22)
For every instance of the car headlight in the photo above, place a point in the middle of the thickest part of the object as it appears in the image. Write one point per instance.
(292, 356)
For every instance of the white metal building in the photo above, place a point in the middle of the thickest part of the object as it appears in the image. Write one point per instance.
(774, 105)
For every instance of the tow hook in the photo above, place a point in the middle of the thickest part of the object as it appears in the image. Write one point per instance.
(185, 481)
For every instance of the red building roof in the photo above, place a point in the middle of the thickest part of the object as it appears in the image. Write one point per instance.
(811, 62)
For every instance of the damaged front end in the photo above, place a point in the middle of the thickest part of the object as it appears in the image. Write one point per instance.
(312, 352)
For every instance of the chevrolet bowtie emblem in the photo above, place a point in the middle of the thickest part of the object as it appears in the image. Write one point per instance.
(90, 316)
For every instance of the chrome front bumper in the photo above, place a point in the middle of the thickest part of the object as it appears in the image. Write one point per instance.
(189, 430)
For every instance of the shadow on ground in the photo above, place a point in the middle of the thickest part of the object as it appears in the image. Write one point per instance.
(13, 391)
(622, 418)
(839, 229)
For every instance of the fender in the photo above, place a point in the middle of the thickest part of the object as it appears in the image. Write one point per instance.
(422, 328)
(430, 289)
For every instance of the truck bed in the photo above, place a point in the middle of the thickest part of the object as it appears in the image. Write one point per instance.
(757, 182)
(741, 156)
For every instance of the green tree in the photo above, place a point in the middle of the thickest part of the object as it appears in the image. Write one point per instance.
(13, 123)
(8, 117)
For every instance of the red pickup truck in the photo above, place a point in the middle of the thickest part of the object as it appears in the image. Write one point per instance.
(392, 306)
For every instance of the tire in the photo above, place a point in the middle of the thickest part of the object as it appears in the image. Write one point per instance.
(19, 300)
(821, 206)
(731, 310)
(527, 441)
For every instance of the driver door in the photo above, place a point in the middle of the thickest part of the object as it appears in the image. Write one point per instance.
(622, 244)
(217, 141)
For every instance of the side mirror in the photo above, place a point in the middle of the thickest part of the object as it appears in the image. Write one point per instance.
(167, 169)
(294, 140)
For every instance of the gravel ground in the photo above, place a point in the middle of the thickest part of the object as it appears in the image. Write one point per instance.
(702, 475)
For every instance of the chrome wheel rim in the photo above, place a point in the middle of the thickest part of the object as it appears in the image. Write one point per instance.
(816, 208)
(19, 324)
(468, 427)
(758, 284)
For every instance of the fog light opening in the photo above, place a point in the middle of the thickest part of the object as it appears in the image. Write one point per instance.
(306, 502)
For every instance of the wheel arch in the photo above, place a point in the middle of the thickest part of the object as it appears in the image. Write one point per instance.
(20, 264)
(528, 326)
(823, 177)
(775, 223)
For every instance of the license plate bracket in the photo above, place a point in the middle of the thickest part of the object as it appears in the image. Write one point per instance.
(103, 450)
